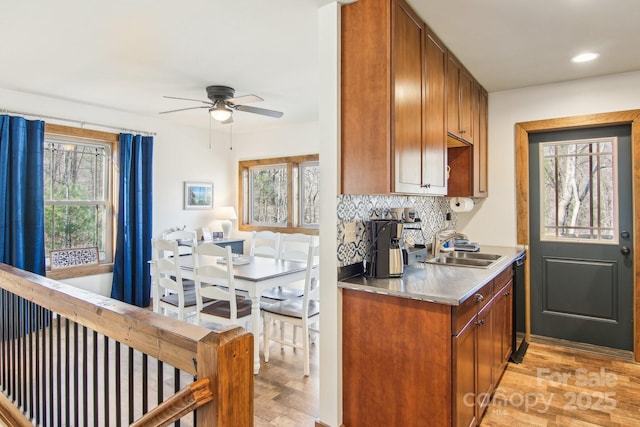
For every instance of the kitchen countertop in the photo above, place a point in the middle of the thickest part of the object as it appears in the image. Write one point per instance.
(437, 283)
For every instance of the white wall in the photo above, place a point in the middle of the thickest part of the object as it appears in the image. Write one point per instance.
(493, 221)
(274, 142)
(180, 154)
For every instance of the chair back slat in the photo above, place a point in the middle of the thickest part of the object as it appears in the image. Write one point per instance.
(167, 276)
(265, 244)
(214, 280)
(294, 247)
(312, 278)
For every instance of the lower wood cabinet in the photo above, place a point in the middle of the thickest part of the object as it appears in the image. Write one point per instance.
(409, 362)
(465, 363)
(502, 328)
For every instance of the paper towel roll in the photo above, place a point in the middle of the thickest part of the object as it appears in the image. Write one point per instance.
(461, 204)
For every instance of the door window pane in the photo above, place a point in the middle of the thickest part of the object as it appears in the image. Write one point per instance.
(578, 192)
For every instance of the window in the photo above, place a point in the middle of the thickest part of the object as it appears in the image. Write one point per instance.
(78, 190)
(578, 192)
(310, 194)
(281, 194)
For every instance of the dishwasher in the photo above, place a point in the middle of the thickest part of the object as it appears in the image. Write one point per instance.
(520, 343)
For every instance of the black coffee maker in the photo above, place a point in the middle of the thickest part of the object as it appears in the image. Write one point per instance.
(384, 248)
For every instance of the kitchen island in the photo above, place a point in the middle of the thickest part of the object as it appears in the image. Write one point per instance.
(427, 348)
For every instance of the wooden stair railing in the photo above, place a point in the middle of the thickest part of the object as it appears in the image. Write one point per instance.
(187, 400)
(221, 360)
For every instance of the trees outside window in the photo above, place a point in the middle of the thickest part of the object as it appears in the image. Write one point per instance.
(578, 199)
(280, 194)
(78, 190)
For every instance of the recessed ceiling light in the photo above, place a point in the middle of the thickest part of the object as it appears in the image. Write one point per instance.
(585, 57)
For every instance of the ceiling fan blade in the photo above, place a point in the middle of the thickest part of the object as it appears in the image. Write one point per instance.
(189, 99)
(245, 99)
(184, 109)
(256, 110)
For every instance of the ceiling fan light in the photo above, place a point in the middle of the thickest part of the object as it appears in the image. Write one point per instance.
(220, 113)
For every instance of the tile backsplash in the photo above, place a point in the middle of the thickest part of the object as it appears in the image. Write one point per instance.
(354, 210)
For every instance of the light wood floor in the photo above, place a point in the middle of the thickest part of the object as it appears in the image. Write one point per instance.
(283, 396)
(555, 386)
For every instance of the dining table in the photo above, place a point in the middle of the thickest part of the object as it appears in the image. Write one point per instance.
(255, 275)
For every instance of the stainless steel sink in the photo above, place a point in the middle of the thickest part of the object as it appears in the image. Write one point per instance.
(465, 259)
(473, 255)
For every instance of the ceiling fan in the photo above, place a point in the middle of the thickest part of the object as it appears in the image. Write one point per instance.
(222, 104)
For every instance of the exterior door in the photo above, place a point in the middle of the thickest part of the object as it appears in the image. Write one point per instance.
(581, 234)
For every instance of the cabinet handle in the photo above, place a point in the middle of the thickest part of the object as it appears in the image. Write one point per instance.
(463, 131)
(426, 186)
(479, 298)
(507, 294)
(480, 322)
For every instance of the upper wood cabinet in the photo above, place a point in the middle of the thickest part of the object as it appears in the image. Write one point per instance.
(434, 161)
(480, 144)
(460, 108)
(469, 163)
(393, 102)
(407, 69)
(365, 161)
(404, 98)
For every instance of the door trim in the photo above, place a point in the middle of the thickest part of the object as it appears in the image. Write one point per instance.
(522, 131)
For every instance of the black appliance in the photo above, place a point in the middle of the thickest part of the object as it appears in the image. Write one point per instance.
(520, 343)
(384, 237)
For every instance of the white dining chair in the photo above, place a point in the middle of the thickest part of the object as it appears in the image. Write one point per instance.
(265, 244)
(293, 247)
(188, 239)
(169, 293)
(299, 312)
(215, 281)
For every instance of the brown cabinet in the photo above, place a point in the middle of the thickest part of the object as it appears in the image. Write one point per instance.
(464, 375)
(405, 361)
(392, 101)
(469, 163)
(473, 356)
(407, 41)
(460, 108)
(434, 153)
(502, 329)
(480, 144)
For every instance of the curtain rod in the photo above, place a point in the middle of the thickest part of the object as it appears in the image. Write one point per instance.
(80, 122)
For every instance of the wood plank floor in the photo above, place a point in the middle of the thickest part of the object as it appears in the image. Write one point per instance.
(562, 386)
(555, 386)
(283, 396)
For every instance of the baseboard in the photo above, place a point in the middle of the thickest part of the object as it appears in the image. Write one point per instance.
(321, 424)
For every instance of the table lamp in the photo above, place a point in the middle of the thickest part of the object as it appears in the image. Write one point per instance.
(225, 214)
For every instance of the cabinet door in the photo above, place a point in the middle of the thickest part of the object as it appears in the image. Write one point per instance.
(502, 329)
(464, 374)
(466, 107)
(507, 332)
(459, 101)
(434, 160)
(484, 356)
(407, 73)
(365, 148)
(480, 144)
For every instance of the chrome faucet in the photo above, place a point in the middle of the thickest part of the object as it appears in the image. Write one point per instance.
(437, 244)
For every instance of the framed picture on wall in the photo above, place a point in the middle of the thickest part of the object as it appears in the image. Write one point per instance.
(198, 195)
